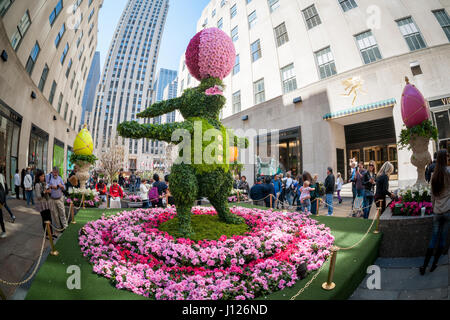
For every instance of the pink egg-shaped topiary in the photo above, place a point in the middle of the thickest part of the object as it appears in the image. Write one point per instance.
(415, 109)
(210, 53)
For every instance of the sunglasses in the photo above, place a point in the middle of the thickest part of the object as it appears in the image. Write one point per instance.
(371, 165)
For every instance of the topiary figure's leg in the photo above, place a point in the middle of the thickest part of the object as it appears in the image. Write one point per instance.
(216, 186)
(184, 189)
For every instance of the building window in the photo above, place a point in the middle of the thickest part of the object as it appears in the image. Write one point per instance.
(60, 102)
(213, 13)
(22, 27)
(311, 17)
(237, 65)
(43, 78)
(347, 4)
(368, 47)
(236, 102)
(60, 35)
(32, 59)
(235, 34)
(64, 54)
(222, 3)
(252, 19)
(66, 109)
(411, 34)
(233, 11)
(258, 88)
(273, 5)
(281, 34)
(52, 92)
(444, 21)
(256, 50)
(325, 63)
(4, 6)
(69, 66)
(288, 78)
(55, 12)
(220, 23)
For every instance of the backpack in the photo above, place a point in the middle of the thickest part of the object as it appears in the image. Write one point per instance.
(153, 195)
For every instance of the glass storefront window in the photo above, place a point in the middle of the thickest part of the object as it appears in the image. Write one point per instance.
(9, 141)
(38, 149)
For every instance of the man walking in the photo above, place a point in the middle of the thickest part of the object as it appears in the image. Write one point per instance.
(56, 185)
(329, 190)
(28, 186)
(17, 184)
(132, 183)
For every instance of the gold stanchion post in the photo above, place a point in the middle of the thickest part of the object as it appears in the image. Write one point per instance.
(72, 212)
(271, 201)
(377, 229)
(108, 201)
(53, 251)
(82, 201)
(330, 285)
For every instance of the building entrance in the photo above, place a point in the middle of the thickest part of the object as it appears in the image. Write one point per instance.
(373, 141)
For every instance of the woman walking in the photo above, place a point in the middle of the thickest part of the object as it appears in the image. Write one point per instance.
(382, 183)
(2, 202)
(440, 197)
(42, 200)
(339, 185)
(143, 188)
(369, 184)
(6, 189)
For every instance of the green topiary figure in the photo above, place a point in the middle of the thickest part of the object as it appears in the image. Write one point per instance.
(204, 170)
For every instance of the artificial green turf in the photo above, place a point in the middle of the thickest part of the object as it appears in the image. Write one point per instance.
(351, 266)
(205, 227)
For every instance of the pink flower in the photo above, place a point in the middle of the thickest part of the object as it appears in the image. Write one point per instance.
(214, 91)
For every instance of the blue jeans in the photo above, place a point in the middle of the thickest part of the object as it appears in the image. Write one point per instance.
(440, 230)
(329, 201)
(132, 188)
(29, 195)
(306, 205)
(314, 206)
(368, 201)
(289, 197)
(8, 209)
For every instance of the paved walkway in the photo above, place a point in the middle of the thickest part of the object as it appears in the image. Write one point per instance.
(20, 250)
(400, 280)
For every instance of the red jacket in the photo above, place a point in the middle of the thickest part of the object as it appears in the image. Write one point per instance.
(116, 191)
(102, 191)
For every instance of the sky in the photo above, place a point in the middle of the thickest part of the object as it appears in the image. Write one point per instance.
(181, 26)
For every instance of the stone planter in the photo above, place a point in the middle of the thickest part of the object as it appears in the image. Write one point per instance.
(420, 158)
(405, 236)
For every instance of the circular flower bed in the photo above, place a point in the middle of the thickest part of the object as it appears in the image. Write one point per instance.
(135, 255)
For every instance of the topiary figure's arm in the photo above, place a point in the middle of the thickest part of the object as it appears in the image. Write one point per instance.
(241, 143)
(160, 108)
(162, 132)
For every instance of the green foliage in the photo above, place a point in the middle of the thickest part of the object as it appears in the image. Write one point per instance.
(206, 227)
(81, 158)
(425, 129)
(210, 178)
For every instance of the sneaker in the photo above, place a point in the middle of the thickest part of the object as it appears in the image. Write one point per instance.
(13, 219)
(3, 235)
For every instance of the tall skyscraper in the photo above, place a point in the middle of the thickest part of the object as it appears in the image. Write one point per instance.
(47, 48)
(90, 89)
(128, 77)
(163, 79)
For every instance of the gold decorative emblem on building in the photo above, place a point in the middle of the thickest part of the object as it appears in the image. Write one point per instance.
(353, 86)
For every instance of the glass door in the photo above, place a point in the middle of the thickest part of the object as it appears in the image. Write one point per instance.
(442, 121)
(393, 158)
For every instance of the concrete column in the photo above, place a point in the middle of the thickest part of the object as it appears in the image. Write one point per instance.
(24, 143)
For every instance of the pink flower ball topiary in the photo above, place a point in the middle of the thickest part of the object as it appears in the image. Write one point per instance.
(415, 109)
(210, 53)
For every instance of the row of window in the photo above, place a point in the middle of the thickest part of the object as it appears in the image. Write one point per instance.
(366, 42)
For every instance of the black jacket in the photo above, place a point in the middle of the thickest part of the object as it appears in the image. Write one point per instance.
(382, 187)
(2, 195)
(330, 184)
(366, 181)
(258, 192)
(429, 171)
